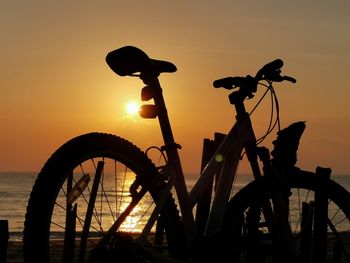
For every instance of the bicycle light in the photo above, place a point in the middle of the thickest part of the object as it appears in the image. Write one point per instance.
(148, 111)
(147, 93)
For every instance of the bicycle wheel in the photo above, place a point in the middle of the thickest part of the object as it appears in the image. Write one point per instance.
(92, 182)
(237, 243)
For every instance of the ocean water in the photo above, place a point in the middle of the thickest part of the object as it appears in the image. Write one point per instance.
(15, 190)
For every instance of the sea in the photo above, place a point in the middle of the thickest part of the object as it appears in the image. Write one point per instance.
(15, 189)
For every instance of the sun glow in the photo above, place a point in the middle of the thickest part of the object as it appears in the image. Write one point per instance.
(132, 108)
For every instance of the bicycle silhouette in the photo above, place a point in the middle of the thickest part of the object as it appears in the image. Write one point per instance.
(99, 198)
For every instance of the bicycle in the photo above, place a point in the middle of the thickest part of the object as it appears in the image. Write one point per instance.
(100, 198)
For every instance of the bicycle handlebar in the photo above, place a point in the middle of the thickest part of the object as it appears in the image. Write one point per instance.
(229, 82)
(270, 72)
(290, 79)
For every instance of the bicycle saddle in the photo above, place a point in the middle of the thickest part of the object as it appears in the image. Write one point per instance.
(128, 60)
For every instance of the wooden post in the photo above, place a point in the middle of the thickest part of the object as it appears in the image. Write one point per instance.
(319, 254)
(336, 252)
(203, 204)
(89, 211)
(69, 239)
(4, 237)
(159, 236)
(306, 231)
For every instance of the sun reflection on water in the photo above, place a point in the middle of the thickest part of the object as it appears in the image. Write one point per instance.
(112, 198)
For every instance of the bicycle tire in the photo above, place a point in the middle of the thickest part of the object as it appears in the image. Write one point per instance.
(253, 193)
(78, 157)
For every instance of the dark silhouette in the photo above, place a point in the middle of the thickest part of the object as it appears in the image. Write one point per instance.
(96, 186)
(4, 237)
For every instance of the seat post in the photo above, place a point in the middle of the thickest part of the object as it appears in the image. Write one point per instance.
(171, 149)
(162, 114)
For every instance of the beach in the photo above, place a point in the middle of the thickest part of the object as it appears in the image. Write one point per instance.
(14, 252)
(15, 190)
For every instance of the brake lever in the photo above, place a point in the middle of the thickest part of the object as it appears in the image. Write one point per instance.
(274, 76)
(277, 77)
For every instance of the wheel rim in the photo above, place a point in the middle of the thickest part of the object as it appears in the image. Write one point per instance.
(302, 191)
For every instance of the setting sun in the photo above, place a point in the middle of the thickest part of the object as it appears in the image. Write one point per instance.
(132, 108)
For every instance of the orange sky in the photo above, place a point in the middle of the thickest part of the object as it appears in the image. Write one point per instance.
(55, 83)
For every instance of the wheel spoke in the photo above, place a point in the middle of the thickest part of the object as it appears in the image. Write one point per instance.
(302, 191)
(123, 215)
(116, 198)
(339, 239)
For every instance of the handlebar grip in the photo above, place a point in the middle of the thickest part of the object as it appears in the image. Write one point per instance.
(229, 82)
(223, 83)
(291, 79)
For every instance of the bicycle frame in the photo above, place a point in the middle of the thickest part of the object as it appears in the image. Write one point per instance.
(239, 138)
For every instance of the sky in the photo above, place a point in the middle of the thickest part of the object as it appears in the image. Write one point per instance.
(55, 84)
